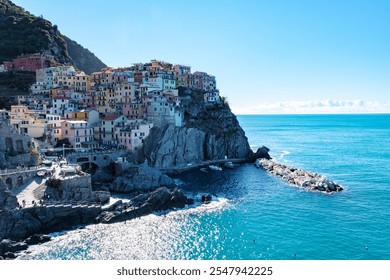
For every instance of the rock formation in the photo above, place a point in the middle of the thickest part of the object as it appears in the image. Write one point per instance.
(210, 132)
(172, 146)
(141, 177)
(262, 152)
(298, 177)
(144, 204)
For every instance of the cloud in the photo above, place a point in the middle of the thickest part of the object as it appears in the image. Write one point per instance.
(315, 107)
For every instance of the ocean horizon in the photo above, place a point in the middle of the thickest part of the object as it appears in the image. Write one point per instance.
(255, 215)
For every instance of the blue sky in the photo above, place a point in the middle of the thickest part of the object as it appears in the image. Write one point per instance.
(268, 56)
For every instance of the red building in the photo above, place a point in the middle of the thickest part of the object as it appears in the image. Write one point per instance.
(29, 62)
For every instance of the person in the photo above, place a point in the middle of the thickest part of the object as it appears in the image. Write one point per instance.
(24, 203)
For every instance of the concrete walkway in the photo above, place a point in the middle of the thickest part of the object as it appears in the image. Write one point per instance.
(26, 191)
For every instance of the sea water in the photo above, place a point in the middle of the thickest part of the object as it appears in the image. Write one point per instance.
(255, 215)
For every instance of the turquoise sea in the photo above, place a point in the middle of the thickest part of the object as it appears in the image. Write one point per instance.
(257, 216)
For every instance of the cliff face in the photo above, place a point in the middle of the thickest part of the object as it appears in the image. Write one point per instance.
(7, 199)
(22, 32)
(210, 132)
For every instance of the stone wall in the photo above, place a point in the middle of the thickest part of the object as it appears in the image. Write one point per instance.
(16, 177)
(73, 188)
(15, 148)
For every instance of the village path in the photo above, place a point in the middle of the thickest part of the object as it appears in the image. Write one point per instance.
(26, 192)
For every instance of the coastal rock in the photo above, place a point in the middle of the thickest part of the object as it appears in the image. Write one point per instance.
(172, 146)
(144, 204)
(101, 197)
(299, 178)
(140, 177)
(209, 133)
(206, 198)
(8, 246)
(37, 239)
(262, 152)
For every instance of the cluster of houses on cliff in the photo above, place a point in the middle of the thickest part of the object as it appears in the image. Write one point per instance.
(112, 107)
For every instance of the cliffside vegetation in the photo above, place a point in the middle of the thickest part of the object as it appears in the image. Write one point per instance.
(23, 33)
(17, 80)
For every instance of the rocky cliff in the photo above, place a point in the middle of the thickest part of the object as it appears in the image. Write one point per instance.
(139, 178)
(22, 32)
(210, 132)
(7, 199)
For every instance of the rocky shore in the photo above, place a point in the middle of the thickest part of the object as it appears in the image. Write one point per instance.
(20, 228)
(299, 178)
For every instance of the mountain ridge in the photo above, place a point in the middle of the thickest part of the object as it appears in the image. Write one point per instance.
(23, 33)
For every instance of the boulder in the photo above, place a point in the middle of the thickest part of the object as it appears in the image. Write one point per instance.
(262, 152)
(206, 198)
(142, 177)
(37, 239)
(9, 246)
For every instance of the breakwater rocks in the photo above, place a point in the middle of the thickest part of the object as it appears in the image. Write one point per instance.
(298, 177)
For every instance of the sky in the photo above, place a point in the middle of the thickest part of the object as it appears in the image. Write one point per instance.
(268, 56)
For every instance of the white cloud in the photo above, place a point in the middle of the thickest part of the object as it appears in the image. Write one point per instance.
(315, 107)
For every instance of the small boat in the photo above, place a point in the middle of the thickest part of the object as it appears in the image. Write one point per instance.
(203, 169)
(215, 167)
(230, 165)
(41, 173)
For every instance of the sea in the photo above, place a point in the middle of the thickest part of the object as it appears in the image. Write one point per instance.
(256, 216)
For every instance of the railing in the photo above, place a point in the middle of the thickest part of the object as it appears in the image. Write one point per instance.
(95, 152)
(21, 169)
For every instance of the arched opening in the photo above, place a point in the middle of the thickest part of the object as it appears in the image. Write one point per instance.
(9, 145)
(9, 182)
(82, 159)
(89, 167)
(19, 181)
(19, 146)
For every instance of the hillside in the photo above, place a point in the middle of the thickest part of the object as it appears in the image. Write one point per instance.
(22, 32)
(83, 58)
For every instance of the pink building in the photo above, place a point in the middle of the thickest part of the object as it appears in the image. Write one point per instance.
(29, 62)
(134, 110)
(132, 136)
(77, 132)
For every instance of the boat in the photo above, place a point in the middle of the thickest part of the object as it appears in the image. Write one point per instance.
(230, 165)
(215, 167)
(203, 169)
(41, 173)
